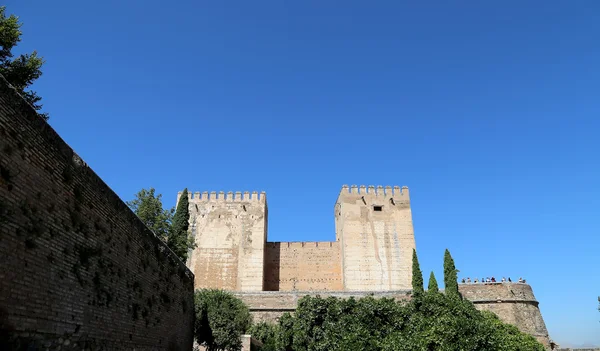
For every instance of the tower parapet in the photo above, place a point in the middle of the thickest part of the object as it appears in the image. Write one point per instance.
(230, 196)
(394, 192)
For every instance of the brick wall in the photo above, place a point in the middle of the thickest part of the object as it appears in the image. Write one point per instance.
(78, 268)
(302, 266)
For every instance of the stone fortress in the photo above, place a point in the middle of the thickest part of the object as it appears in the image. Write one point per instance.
(371, 255)
(81, 271)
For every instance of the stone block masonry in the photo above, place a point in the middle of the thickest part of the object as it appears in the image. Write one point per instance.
(374, 227)
(514, 303)
(372, 251)
(230, 233)
(78, 270)
(303, 266)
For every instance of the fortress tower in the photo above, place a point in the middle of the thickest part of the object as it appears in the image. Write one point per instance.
(230, 231)
(374, 227)
(371, 254)
(372, 251)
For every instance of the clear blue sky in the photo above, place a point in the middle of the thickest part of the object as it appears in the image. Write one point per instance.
(489, 112)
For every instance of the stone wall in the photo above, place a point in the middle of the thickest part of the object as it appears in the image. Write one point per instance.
(270, 305)
(374, 226)
(302, 266)
(514, 303)
(230, 231)
(78, 270)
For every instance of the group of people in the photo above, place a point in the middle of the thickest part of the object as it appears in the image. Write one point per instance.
(490, 280)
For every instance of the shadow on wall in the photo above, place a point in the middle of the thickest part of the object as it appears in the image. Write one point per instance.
(5, 330)
(272, 267)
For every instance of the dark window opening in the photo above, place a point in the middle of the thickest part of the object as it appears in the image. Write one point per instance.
(377, 208)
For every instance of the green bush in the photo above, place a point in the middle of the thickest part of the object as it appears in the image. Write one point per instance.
(429, 322)
(221, 319)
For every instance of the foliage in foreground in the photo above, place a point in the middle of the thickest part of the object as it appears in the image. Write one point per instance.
(433, 321)
(429, 322)
(417, 275)
(22, 71)
(148, 206)
(173, 229)
(450, 275)
(179, 239)
(433, 285)
(221, 319)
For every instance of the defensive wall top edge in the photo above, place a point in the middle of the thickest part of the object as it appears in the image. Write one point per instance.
(301, 244)
(477, 293)
(221, 196)
(374, 191)
(27, 112)
(238, 196)
(497, 291)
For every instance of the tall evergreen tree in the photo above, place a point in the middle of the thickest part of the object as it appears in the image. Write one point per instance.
(179, 239)
(417, 275)
(450, 275)
(433, 285)
(23, 70)
(147, 205)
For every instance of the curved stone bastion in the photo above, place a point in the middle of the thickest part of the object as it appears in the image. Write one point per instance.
(514, 303)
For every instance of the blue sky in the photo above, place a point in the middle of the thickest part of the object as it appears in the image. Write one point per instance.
(488, 111)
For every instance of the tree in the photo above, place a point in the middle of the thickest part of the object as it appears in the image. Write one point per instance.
(148, 207)
(506, 336)
(22, 71)
(267, 334)
(433, 285)
(450, 275)
(179, 240)
(433, 322)
(221, 319)
(417, 275)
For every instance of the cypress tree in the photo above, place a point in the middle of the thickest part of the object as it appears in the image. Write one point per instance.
(417, 275)
(450, 275)
(178, 235)
(433, 285)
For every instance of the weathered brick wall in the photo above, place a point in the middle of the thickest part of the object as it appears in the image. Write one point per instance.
(374, 226)
(78, 270)
(303, 266)
(230, 231)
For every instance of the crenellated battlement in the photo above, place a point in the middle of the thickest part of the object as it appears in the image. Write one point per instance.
(376, 191)
(221, 196)
(300, 244)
